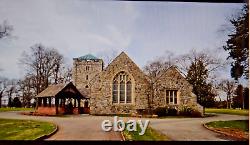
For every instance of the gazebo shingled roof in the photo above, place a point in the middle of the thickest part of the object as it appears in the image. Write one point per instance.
(53, 90)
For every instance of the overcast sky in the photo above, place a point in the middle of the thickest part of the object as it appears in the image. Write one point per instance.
(144, 30)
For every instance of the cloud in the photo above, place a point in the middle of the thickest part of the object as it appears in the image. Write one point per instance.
(145, 30)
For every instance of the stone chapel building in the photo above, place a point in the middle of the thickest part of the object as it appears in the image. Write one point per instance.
(122, 87)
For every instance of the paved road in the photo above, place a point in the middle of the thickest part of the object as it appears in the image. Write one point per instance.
(87, 127)
(75, 127)
(185, 129)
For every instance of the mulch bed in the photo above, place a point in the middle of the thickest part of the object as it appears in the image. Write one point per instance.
(236, 134)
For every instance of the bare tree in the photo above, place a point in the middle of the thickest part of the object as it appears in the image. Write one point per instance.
(65, 75)
(26, 89)
(154, 69)
(3, 85)
(5, 29)
(229, 87)
(44, 64)
(11, 90)
(210, 61)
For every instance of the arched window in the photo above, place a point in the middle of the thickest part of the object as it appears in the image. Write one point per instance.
(122, 88)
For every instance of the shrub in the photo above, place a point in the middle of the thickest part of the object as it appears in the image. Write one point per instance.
(171, 111)
(189, 111)
(196, 113)
(185, 111)
(160, 111)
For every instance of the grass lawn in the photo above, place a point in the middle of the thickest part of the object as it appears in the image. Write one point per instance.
(12, 129)
(237, 129)
(16, 109)
(235, 124)
(227, 111)
(150, 135)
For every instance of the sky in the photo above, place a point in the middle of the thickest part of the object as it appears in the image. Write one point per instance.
(143, 30)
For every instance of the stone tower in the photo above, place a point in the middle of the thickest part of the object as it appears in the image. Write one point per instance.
(84, 70)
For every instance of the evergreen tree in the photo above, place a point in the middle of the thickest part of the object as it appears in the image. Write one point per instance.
(238, 45)
(238, 98)
(246, 98)
(16, 102)
(197, 76)
(10, 102)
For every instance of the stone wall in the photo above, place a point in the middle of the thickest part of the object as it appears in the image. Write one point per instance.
(173, 80)
(101, 88)
(80, 72)
(46, 110)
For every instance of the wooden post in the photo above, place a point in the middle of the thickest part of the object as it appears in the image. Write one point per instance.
(64, 100)
(49, 101)
(44, 105)
(56, 104)
(37, 103)
(79, 101)
(75, 103)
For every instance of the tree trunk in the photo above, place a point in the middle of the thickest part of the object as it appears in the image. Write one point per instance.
(227, 102)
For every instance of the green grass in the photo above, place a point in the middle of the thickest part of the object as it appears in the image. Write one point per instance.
(236, 124)
(16, 109)
(12, 129)
(228, 111)
(150, 135)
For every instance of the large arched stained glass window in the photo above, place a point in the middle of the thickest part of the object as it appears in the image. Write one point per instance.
(122, 88)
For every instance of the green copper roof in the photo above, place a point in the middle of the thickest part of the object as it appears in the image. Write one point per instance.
(88, 57)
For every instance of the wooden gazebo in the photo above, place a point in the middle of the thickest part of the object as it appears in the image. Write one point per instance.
(60, 99)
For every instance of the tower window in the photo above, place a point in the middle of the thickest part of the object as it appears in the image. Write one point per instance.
(87, 77)
(87, 68)
(86, 86)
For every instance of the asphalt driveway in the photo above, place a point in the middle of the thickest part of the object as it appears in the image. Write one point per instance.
(191, 129)
(87, 127)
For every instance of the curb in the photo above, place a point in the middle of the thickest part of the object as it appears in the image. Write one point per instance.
(48, 135)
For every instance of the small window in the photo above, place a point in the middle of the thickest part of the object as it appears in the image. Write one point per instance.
(87, 68)
(86, 86)
(87, 77)
(171, 96)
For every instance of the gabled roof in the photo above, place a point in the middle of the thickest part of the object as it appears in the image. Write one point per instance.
(88, 57)
(53, 90)
(122, 54)
(124, 58)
